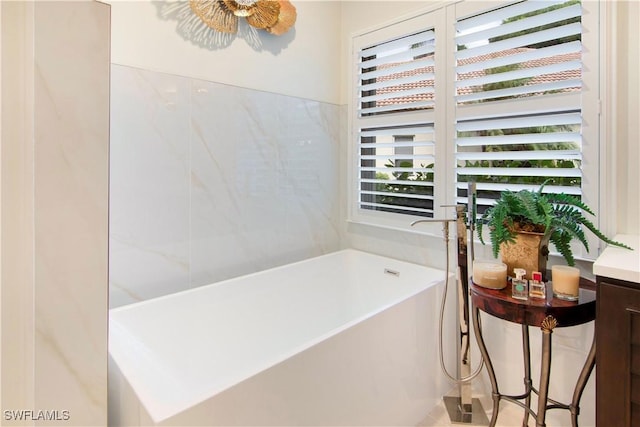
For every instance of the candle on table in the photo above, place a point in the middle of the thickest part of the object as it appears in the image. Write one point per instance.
(490, 274)
(566, 282)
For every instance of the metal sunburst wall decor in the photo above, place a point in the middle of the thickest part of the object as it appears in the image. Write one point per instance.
(273, 16)
(215, 24)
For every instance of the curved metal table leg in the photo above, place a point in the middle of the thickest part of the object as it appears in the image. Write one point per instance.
(526, 352)
(548, 324)
(582, 382)
(495, 395)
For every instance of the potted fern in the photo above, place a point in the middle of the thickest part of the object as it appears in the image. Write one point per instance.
(521, 225)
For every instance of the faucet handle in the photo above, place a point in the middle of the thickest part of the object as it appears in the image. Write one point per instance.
(459, 208)
(452, 206)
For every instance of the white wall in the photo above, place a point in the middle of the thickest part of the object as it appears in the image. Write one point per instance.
(55, 138)
(211, 181)
(17, 207)
(310, 64)
(302, 62)
(224, 159)
(626, 126)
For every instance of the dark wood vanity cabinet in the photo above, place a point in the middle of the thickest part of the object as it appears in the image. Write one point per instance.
(617, 353)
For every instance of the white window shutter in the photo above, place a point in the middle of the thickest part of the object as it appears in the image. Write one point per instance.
(396, 83)
(518, 115)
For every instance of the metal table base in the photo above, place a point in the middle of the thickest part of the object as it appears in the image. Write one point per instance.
(544, 402)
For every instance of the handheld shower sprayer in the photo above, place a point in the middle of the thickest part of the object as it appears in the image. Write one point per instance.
(472, 199)
(464, 330)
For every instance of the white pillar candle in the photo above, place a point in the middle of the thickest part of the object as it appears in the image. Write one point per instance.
(566, 281)
(490, 274)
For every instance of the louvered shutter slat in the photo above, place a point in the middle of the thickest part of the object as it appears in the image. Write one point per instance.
(528, 49)
(397, 78)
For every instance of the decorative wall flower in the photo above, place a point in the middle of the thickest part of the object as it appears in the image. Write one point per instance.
(286, 18)
(274, 16)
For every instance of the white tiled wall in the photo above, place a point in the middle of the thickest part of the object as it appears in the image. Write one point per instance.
(211, 181)
(149, 185)
(55, 170)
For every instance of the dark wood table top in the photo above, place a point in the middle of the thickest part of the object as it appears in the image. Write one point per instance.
(500, 303)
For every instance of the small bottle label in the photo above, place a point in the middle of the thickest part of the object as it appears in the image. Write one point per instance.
(537, 290)
(520, 289)
(537, 287)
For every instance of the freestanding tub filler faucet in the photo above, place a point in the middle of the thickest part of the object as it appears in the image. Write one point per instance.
(462, 408)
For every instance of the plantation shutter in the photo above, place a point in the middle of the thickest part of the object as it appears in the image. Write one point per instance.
(518, 114)
(395, 123)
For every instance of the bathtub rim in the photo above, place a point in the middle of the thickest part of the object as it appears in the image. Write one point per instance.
(270, 269)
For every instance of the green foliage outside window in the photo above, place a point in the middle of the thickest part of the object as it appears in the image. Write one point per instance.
(395, 191)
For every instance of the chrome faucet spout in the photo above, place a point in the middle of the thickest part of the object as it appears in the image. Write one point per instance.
(443, 220)
(445, 225)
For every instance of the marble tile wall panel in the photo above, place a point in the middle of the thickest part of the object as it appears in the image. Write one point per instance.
(149, 194)
(71, 163)
(234, 176)
(262, 183)
(311, 170)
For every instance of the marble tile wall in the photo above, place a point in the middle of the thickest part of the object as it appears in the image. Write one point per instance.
(211, 181)
(71, 184)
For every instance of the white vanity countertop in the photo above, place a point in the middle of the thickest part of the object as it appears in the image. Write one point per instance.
(620, 263)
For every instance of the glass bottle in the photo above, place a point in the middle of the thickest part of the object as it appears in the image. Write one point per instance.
(537, 288)
(520, 285)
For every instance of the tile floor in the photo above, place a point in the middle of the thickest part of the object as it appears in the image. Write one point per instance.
(510, 415)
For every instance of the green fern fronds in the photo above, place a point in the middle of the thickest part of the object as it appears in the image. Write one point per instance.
(560, 216)
(566, 199)
(569, 220)
(562, 241)
(529, 206)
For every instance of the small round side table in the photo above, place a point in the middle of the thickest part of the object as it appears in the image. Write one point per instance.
(547, 314)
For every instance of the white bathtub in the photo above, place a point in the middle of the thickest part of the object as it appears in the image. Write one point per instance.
(346, 338)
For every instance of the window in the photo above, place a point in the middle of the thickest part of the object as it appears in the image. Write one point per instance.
(504, 94)
(395, 118)
(518, 111)
(396, 169)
